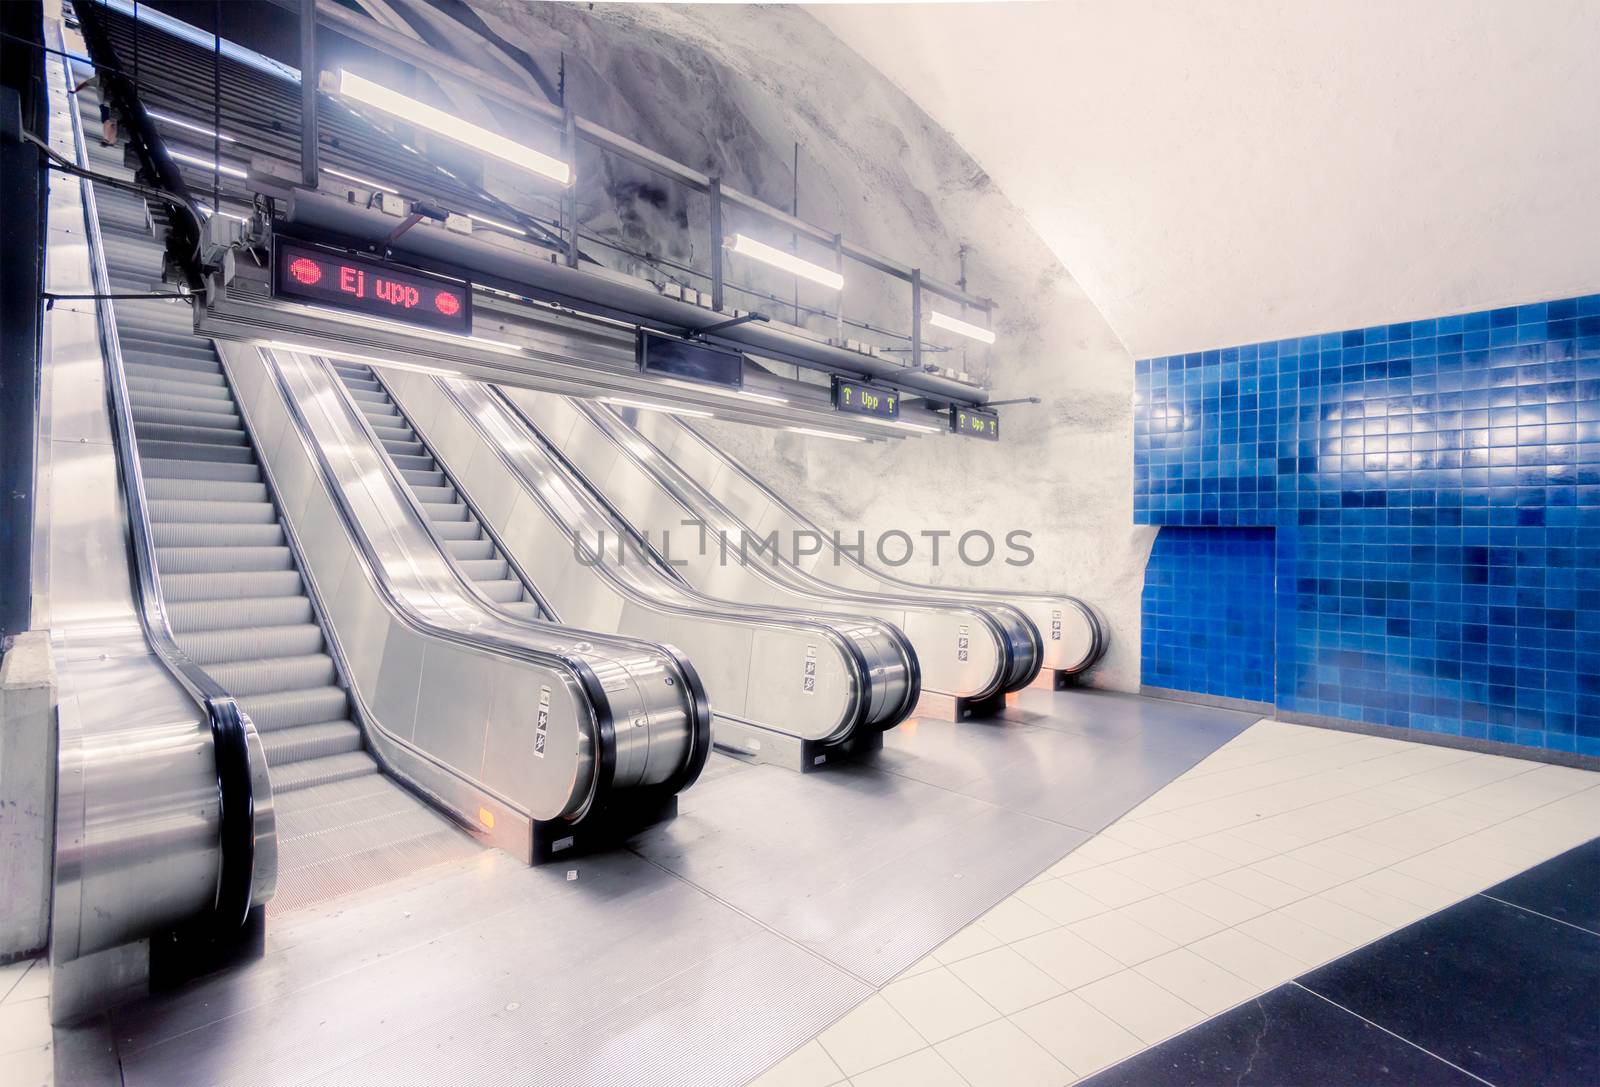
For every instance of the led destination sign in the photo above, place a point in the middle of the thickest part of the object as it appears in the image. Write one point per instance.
(975, 424)
(377, 288)
(690, 361)
(859, 398)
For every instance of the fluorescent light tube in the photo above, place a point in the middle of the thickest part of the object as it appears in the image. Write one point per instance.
(956, 324)
(903, 424)
(496, 223)
(206, 164)
(190, 125)
(452, 128)
(825, 434)
(748, 247)
(363, 182)
(645, 405)
(744, 394)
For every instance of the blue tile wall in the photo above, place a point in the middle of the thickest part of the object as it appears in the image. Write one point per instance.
(1434, 487)
(1208, 612)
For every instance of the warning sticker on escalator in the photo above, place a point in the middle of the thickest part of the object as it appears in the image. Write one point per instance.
(542, 729)
(963, 643)
(808, 683)
(1055, 624)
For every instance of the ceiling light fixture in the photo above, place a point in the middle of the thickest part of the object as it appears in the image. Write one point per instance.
(190, 125)
(452, 128)
(221, 167)
(956, 324)
(363, 182)
(645, 405)
(825, 434)
(747, 246)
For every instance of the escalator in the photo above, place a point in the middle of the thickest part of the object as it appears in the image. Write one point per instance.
(475, 552)
(235, 598)
(1073, 634)
(786, 686)
(973, 651)
(276, 685)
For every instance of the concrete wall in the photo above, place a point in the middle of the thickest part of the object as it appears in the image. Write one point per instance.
(1223, 173)
(730, 90)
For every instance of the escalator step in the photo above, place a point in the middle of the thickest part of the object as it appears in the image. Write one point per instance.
(501, 592)
(249, 677)
(485, 569)
(526, 609)
(181, 450)
(204, 490)
(149, 413)
(417, 477)
(286, 746)
(221, 560)
(197, 435)
(202, 509)
(212, 534)
(445, 511)
(303, 775)
(469, 550)
(160, 468)
(285, 709)
(185, 587)
(437, 496)
(251, 643)
(180, 399)
(252, 611)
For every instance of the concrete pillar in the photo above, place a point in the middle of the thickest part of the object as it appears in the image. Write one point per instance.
(27, 793)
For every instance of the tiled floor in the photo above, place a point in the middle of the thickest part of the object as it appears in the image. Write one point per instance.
(1500, 988)
(1286, 848)
(26, 1055)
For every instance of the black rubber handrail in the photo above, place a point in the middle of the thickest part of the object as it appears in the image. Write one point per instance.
(236, 859)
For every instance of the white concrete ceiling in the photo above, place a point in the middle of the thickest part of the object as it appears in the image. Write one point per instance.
(1241, 170)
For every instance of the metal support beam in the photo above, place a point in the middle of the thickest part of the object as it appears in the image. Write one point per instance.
(308, 92)
(715, 190)
(569, 198)
(916, 318)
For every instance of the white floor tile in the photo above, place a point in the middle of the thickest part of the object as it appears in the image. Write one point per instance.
(1198, 981)
(1140, 1006)
(1297, 873)
(1263, 966)
(873, 1034)
(1199, 862)
(921, 966)
(1103, 850)
(1001, 1055)
(1060, 901)
(1295, 938)
(1229, 846)
(975, 939)
(1132, 832)
(1121, 937)
(1229, 907)
(1358, 895)
(31, 1067)
(924, 1068)
(938, 1005)
(1259, 886)
(1112, 888)
(1007, 980)
(24, 1024)
(1173, 919)
(1338, 920)
(808, 1066)
(1014, 920)
(1071, 960)
(11, 974)
(1077, 1034)
(1153, 871)
(1429, 896)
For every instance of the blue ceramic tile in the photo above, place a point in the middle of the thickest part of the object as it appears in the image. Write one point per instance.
(1436, 490)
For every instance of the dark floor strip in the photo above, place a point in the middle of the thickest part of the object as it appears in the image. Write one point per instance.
(1502, 988)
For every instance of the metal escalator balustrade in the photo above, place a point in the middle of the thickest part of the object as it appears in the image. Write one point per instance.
(235, 599)
(449, 515)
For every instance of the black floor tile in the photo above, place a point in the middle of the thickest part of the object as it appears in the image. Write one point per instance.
(1284, 1037)
(1505, 994)
(1565, 887)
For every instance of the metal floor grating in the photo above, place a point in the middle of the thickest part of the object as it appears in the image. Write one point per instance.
(772, 904)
